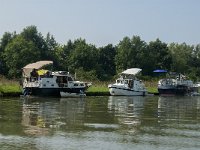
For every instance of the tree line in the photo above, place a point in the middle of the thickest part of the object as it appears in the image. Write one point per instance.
(96, 63)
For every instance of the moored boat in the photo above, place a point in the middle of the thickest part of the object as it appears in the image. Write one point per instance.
(176, 84)
(40, 82)
(128, 84)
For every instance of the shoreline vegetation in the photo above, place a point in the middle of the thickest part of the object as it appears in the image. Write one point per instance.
(9, 87)
(12, 88)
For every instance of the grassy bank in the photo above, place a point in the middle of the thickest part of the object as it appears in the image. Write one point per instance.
(98, 88)
(151, 86)
(9, 87)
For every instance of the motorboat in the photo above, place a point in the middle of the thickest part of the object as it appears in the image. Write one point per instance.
(37, 81)
(177, 84)
(128, 84)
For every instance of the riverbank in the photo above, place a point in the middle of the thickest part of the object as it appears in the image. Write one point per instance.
(11, 88)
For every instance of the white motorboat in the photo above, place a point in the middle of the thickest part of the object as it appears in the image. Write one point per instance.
(39, 82)
(128, 84)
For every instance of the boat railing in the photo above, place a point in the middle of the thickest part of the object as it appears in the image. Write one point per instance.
(185, 82)
(32, 84)
(169, 82)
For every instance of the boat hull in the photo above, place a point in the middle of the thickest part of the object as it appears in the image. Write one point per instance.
(116, 91)
(172, 91)
(52, 92)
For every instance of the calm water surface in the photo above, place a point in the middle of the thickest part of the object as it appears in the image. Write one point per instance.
(107, 123)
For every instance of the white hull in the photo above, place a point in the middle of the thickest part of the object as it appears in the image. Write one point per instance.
(126, 92)
(66, 94)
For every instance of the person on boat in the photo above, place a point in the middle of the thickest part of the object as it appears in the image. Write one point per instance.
(48, 74)
(34, 74)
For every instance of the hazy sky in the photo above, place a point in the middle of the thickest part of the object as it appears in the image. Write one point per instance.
(103, 22)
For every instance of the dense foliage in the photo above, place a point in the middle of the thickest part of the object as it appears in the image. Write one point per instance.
(92, 63)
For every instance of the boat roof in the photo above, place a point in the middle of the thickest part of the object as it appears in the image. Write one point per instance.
(132, 71)
(37, 65)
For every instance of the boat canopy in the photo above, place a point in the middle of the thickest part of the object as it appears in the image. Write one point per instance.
(132, 71)
(37, 65)
(160, 71)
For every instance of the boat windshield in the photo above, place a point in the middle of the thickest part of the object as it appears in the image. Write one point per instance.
(119, 81)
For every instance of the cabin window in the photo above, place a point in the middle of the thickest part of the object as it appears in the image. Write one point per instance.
(81, 84)
(75, 84)
(52, 85)
(44, 84)
(64, 79)
(70, 79)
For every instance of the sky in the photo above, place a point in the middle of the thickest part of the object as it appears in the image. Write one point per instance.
(102, 22)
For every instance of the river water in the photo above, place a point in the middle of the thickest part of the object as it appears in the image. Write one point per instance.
(104, 123)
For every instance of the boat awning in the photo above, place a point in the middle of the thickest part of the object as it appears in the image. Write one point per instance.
(37, 65)
(160, 71)
(132, 71)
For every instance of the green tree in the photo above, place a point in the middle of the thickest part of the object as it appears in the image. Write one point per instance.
(5, 40)
(63, 54)
(156, 56)
(122, 54)
(31, 33)
(107, 62)
(130, 53)
(51, 50)
(83, 55)
(138, 48)
(181, 55)
(18, 53)
(194, 63)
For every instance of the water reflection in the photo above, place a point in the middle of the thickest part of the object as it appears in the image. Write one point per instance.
(72, 112)
(179, 120)
(127, 111)
(10, 116)
(179, 109)
(179, 114)
(41, 115)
